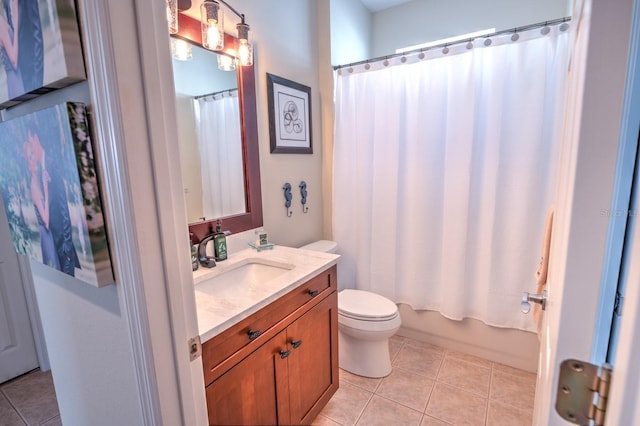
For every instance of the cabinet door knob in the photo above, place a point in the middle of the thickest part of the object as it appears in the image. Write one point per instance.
(253, 334)
(313, 293)
(296, 343)
(284, 354)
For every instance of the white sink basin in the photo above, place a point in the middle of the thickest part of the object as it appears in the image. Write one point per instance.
(246, 275)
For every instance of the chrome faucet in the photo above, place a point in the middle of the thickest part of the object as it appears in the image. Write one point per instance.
(206, 261)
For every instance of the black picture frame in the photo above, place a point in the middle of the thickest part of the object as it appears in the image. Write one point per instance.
(289, 116)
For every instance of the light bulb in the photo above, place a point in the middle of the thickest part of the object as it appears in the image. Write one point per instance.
(245, 53)
(214, 40)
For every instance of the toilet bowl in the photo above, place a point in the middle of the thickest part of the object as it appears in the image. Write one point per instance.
(366, 321)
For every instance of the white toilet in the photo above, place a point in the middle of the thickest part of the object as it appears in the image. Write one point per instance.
(366, 321)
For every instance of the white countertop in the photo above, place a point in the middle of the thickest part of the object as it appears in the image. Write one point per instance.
(221, 307)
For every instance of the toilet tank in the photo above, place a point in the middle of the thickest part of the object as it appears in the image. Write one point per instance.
(324, 246)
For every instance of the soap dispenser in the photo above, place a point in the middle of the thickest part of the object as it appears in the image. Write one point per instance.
(219, 242)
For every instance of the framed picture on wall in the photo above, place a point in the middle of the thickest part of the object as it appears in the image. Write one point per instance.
(49, 187)
(289, 116)
(40, 49)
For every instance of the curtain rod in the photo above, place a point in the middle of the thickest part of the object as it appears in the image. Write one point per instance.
(216, 93)
(467, 40)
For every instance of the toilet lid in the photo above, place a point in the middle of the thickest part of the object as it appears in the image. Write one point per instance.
(365, 305)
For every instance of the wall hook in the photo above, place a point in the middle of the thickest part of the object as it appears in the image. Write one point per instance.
(287, 198)
(303, 196)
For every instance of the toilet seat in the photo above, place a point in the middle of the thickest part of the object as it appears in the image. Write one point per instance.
(365, 306)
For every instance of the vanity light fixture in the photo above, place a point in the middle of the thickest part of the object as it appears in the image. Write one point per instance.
(181, 50)
(227, 60)
(212, 22)
(212, 19)
(173, 8)
(245, 49)
(172, 16)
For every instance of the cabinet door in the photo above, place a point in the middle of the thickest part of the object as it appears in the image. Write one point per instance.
(255, 391)
(313, 364)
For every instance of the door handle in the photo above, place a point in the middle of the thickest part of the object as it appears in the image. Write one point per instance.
(284, 354)
(527, 297)
(253, 334)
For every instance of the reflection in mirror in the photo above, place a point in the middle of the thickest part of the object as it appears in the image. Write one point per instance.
(209, 133)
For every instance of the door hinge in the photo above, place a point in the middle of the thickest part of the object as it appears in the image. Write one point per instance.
(582, 394)
(195, 348)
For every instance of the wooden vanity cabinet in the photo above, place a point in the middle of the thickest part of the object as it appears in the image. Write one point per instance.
(288, 373)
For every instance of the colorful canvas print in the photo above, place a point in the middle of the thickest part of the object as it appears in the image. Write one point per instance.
(50, 191)
(40, 48)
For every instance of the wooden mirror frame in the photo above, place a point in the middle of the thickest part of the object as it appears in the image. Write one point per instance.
(189, 29)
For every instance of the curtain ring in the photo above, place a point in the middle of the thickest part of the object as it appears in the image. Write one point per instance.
(487, 42)
(545, 30)
(445, 50)
(515, 36)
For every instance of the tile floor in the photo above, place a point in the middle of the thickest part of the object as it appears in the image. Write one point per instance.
(432, 386)
(29, 400)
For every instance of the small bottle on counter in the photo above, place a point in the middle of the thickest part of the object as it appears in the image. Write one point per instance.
(219, 243)
(194, 253)
(261, 237)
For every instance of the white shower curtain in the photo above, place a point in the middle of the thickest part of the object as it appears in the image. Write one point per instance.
(444, 170)
(220, 147)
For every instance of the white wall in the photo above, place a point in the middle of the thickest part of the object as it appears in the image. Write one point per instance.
(287, 48)
(87, 338)
(351, 26)
(420, 21)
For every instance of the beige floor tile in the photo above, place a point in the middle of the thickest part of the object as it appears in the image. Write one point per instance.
(421, 360)
(324, 421)
(469, 358)
(430, 421)
(394, 348)
(347, 404)
(424, 345)
(397, 338)
(8, 416)
(517, 391)
(471, 377)
(407, 388)
(366, 383)
(33, 396)
(456, 406)
(505, 415)
(514, 371)
(382, 412)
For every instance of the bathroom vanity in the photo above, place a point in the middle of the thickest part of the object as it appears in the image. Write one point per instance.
(268, 322)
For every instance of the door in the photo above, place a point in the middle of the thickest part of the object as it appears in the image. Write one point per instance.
(17, 348)
(313, 340)
(254, 390)
(590, 180)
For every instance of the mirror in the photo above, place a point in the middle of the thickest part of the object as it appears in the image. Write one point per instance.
(209, 134)
(231, 169)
